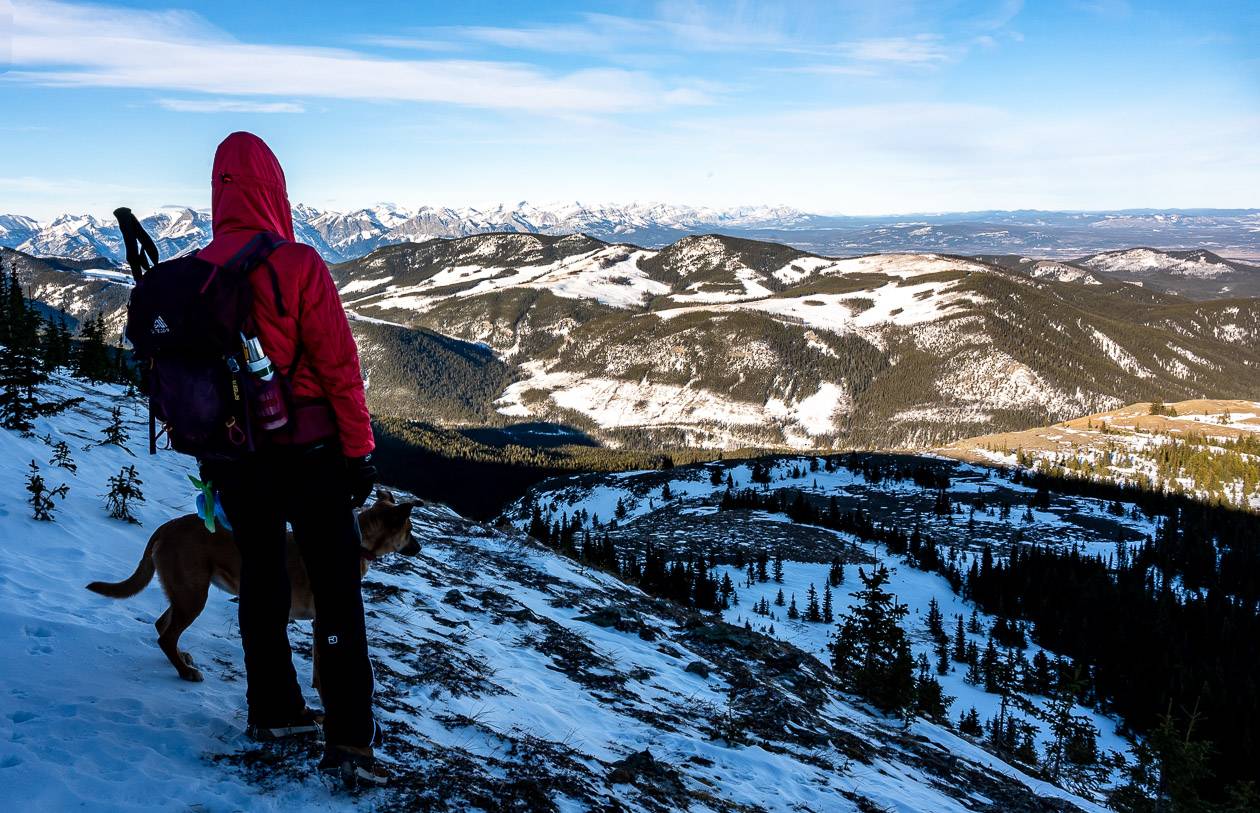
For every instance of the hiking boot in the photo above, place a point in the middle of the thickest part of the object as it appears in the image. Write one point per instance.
(357, 766)
(305, 724)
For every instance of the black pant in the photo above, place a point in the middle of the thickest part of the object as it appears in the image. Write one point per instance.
(305, 487)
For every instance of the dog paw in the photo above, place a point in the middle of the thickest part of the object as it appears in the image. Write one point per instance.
(192, 675)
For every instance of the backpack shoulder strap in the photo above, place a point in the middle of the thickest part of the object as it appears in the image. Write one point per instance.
(254, 253)
(258, 252)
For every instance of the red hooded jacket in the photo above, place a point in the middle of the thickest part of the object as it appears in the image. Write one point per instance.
(248, 195)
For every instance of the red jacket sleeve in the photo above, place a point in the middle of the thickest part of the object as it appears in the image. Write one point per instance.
(331, 354)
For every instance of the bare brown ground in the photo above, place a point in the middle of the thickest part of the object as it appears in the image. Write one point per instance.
(1088, 431)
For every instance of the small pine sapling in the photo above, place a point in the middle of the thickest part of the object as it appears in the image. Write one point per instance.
(115, 432)
(42, 497)
(124, 492)
(61, 457)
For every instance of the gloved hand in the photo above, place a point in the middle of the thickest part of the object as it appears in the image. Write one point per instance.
(360, 477)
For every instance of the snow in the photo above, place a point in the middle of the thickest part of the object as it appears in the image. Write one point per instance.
(1139, 260)
(815, 413)
(358, 285)
(97, 719)
(894, 303)
(913, 588)
(1119, 355)
(694, 496)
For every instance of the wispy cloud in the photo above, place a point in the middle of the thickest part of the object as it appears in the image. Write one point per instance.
(921, 50)
(228, 106)
(682, 28)
(96, 46)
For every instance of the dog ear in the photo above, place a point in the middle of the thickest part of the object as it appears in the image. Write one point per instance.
(401, 512)
(412, 505)
(384, 495)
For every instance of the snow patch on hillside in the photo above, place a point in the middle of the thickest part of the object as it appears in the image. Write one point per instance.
(995, 380)
(1143, 260)
(1119, 355)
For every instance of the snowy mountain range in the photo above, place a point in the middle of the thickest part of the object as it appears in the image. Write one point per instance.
(341, 236)
(345, 235)
(721, 342)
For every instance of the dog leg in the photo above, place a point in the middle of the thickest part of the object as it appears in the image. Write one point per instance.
(162, 621)
(181, 615)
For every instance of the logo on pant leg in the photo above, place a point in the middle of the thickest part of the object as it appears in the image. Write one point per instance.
(332, 639)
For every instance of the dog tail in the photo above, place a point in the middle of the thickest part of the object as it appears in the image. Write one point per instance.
(134, 583)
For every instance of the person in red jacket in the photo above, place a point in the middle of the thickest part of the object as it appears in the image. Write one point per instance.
(312, 475)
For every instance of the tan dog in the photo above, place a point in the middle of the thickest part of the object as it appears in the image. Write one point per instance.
(188, 559)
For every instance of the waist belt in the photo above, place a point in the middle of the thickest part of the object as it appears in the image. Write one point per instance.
(310, 421)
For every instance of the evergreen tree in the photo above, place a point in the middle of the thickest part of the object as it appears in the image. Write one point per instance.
(57, 343)
(930, 700)
(959, 653)
(835, 576)
(43, 499)
(792, 612)
(1062, 722)
(21, 371)
(61, 457)
(91, 358)
(969, 723)
(935, 621)
(974, 674)
(778, 569)
(116, 433)
(727, 592)
(124, 491)
(666, 494)
(1170, 767)
(715, 475)
(870, 653)
(813, 612)
(779, 600)
(942, 658)
(828, 613)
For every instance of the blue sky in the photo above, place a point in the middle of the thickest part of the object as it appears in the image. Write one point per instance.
(845, 107)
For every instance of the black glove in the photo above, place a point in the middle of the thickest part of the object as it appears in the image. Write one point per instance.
(360, 477)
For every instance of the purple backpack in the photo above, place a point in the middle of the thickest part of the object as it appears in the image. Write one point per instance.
(184, 322)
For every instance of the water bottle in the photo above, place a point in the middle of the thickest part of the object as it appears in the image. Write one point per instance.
(270, 409)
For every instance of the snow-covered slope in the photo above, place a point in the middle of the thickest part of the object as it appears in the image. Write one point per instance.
(688, 522)
(1196, 274)
(717, 340)
(508, 678)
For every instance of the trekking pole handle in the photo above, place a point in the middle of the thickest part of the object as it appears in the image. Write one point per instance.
(142, 253)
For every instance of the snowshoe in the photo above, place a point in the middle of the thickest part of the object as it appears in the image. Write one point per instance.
(306, 724)
(357, 767)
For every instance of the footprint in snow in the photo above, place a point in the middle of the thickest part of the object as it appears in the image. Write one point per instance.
(41, 643)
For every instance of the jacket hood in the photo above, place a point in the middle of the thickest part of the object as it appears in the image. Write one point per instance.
(248, 191)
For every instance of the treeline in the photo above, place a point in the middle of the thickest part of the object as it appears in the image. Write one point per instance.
(1226, 470)
(689, 581)
(480, 479)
